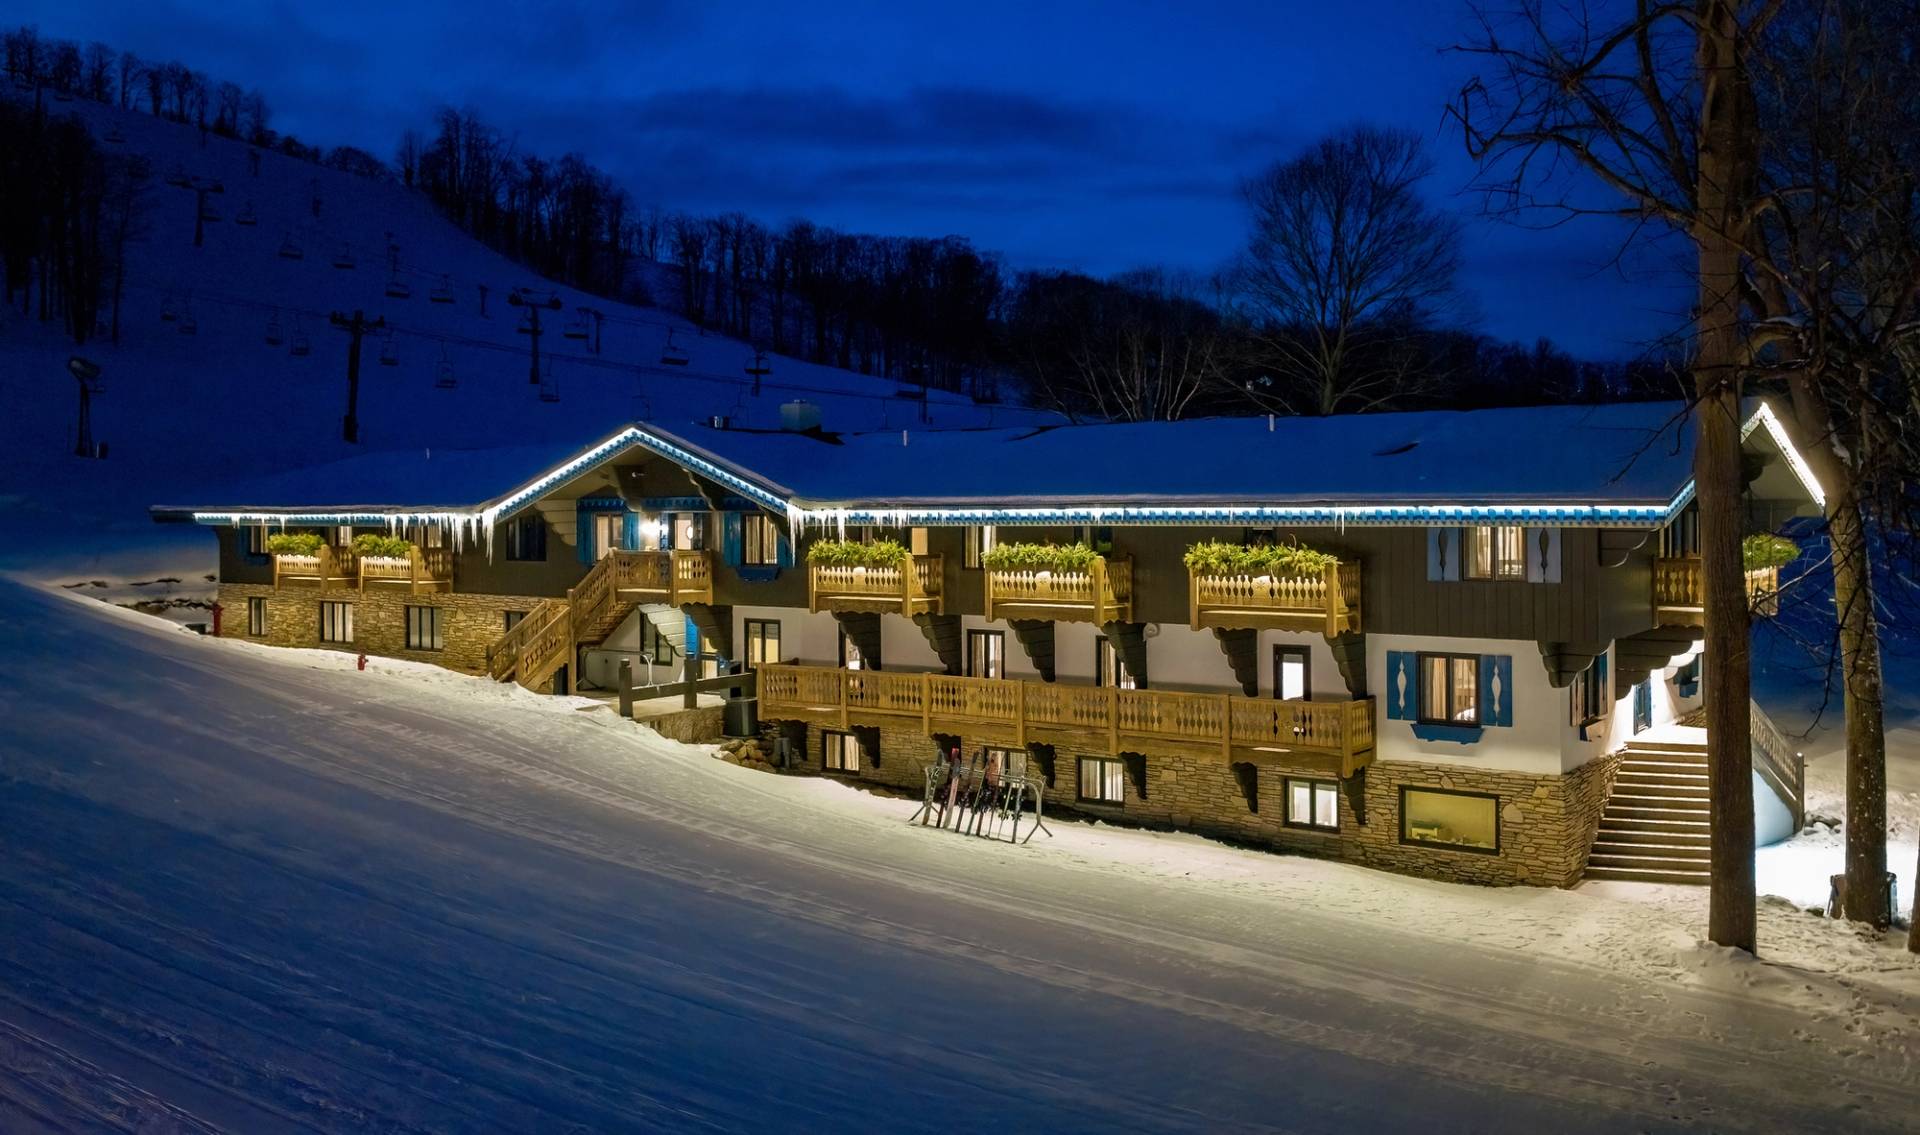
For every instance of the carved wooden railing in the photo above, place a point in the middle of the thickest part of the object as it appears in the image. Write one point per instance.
(329, 567)
(1342, 729)
(1679, 588)
(505, 655)
(1778, 762)
(1103, 593)
(673, 577)
(1329, 602)
(912, 590)
(421, 569)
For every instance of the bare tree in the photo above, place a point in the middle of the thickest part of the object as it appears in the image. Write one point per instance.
(1141, 347)
(1345, 260)
(99, 63)
(132, 73)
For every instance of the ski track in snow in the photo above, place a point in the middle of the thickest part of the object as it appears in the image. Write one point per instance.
(254, 890)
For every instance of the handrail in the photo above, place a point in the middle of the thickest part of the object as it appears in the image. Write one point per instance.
(915, 584)
(1104, 589)
(1778, 761)
(1330, 599)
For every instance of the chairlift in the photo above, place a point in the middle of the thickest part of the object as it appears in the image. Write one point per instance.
(398, 289)
(209, 213)
(549, 386)
(300, 347)
(178, 176)
(526, 323)
(246, 216)
(443, 378)
(576, 328)
(290, 250)
(672, 355)
(389, 354)
(442, 292)
(758, 368)
(274, 338)
(343, 259)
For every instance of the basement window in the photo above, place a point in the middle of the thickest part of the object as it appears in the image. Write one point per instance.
(1458, 821)
(336, 622)
(839, 752)
(1312, 804)
(1103, 780)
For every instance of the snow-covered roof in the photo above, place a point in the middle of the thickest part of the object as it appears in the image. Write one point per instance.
(1623, 464)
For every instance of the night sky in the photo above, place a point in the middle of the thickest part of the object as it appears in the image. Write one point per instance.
(1096, 136)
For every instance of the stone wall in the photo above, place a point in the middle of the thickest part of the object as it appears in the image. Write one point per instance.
(699, 726)
(469, 624)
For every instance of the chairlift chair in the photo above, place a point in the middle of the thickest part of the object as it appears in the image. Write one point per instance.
(398, 289)
(549, 386)
(389, 353)
(443, 378)
(290, 250)
(246, 216)
(210, 213)
(442, 292)
(526, 323)
(274, 337)
(672, 354)
(178, 176)
(576, 328)
(343, 259)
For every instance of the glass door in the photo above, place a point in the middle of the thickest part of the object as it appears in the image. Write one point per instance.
(1292, 677)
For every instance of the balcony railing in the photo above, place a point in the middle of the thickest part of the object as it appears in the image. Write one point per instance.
(1679, 590)
(1234, 726)
(328, 568)
(421, 569)
(672, 577)
(1101, 594)
(910, 591)
(1329, 602)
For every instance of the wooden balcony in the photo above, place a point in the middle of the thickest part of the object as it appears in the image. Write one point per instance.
(915, 591)
(1679, 591)
(1329, 603)
(421, 570)
(328, 568)
(1101, 594)
(682, 575)
(1332, 736)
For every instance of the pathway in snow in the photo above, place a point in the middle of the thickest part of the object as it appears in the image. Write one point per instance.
(257, 890)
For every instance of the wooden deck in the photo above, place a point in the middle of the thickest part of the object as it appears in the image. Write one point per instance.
(1679, 591)
(420, 571)
(1335, 737)
(681, 575)
(1329, 603)
(1101, 594)
(915, 590)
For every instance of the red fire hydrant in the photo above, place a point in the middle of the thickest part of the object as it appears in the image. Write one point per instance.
(363, 660)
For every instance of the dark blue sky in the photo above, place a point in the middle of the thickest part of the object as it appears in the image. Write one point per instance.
(1099, 136)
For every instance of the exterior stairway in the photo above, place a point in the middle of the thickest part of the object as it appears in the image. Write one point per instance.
(1655, 828)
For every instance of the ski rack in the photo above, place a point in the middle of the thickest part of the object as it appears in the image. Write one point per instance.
(977, 798)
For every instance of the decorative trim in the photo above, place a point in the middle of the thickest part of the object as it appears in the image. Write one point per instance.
(1458, 734)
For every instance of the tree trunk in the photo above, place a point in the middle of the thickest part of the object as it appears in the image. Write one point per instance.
(1725, 168)
(1866, 894)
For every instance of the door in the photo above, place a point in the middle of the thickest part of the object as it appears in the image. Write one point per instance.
(1108, 669)
(609, 532)
(1643, 706)
(1292, 674)
(986, 654)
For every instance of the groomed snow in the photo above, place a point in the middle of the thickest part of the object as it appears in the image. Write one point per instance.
(257, 890)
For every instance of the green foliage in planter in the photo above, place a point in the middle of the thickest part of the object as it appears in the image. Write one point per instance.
(376, 545)
(1039, 557)
(295, 543)
(856, 553)
(1765, 550)
(1217, 557)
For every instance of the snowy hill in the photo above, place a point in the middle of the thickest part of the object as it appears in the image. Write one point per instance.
(207, 383)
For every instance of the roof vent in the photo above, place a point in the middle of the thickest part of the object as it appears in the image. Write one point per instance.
(799, 416)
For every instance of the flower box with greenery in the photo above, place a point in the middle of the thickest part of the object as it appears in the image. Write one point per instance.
(1077, 557)
(857, 553)
(1281, 586)
(1071, 582)
(373, 546)
(307, 544)
(1258, 561)
(882, 575)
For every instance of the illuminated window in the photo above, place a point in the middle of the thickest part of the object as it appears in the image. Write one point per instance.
(1313, 804)
(1496, 552)
(256, 616)
(336, 622)
(839, 752)
(1464, 821)
(759, 540)
(1450, 689)
(763, 642)
(423, 629)
(526, 538)
(979, 543)
(1102, 780)
(986, 654)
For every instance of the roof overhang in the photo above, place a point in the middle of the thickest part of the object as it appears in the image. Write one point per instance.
(804, 512)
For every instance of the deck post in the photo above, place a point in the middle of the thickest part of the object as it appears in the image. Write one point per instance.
(926, 703)
(1098, 575)
(691, 668)
(1193, 599)
(1226, 726)
(626, 688)
(1113, 720)
(1020, 715)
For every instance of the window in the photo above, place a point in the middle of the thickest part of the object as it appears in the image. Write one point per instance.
(1012, 762)
(526, 537)
(1450, 689)
(763, 642)
(656, 647)
(1588, 695)
(759, 540)
(839, 752)
(432, 536)
(257, 540)
(511, 619)
(1103, 780)
(256, 616)
(986, 654)
(1108, 669)
(1496, 552)
(1465, 821)
(336, 622)
(979, 543)
(1312, 804)
(343, 536)
(688, 530)
(1682, 536)
(1292, 675)
(609, 533)
(423, 629)
(851, 657)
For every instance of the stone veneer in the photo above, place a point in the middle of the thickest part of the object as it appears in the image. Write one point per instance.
(470, 624)
(1547, 823)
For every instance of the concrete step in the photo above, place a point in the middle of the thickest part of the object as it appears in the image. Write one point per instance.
(1643, 776)
(1664, 753)
(1643, 792)
(1679, 864)
(1666, 835)
(1641, 764)
(1604, 852)
(1630, 808)
(1629, 875)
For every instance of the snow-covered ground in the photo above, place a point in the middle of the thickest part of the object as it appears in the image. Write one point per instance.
(256, 890)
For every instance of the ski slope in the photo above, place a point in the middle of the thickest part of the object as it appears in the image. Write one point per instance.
(183, 413)
(255, 890)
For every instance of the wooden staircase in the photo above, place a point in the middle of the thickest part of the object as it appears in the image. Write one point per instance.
(1655, 828)
(551, 634)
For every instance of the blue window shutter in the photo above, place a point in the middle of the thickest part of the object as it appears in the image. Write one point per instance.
(583, 534)
(731, 538)
(693, 638)
(666, 532)
(1600, 678)
(783, 551)
(1402, 688)
(1496, 689)
(1443, 554)
(630, 531)
(1542, 546)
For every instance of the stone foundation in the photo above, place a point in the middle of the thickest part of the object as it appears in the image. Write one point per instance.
(702, 725)
(469, 623)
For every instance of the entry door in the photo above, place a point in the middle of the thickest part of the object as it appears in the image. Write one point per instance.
(1643, 706)
(986, 654)
(1292, 674)
(609, 532)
